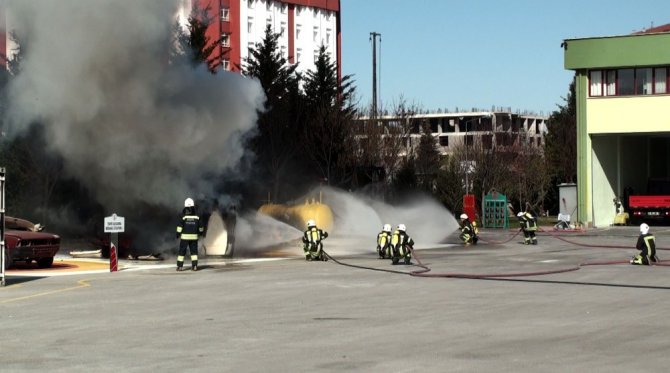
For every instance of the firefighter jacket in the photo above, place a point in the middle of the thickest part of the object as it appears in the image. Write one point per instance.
(313, 235)
(646, 243)
(468, 228)
(401, 240)
(528, 222)
(189, 228)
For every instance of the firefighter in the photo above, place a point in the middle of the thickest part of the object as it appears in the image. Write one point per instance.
(528, 224)
(312, 242)
(383, 242)
(469, 231)
(401, 245)
(646, 243)
(188, 231)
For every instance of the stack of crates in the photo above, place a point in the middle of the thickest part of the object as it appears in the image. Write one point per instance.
(495, 211)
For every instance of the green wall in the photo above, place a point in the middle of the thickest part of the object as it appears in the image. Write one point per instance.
(619, 51)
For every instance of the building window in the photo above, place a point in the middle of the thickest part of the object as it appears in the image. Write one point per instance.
(250, 4)
(328, 31)
(225, 63)
(268, 21)
(315, 35)
(225, 14)
(298, 55)
(297, 32)
(298, 10)
(225, 39)
(316, 55)
(625, 82)
(444, 140)
(268, 5)
(283, 8)
(610, 83)
(283, 50)
(250, 48)
(596, 85)
(282, 28)
(660, 80)
(643, 79)
(250, 25)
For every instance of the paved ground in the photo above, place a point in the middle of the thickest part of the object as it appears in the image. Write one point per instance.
(288, 315)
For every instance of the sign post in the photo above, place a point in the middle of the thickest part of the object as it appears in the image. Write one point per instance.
(114, 225)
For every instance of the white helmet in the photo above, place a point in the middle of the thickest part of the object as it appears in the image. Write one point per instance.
(386, 228)
(311, 223)
(189, 202)
(520, 214)
(402, 227)
(644, 228)
(464, 216)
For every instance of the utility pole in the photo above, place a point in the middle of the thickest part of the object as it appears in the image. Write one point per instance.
(373, 37)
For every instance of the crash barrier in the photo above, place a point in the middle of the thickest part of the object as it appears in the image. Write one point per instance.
(495, 211)
(298, 215)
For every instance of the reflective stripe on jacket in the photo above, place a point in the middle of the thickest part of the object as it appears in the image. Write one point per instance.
(189, 228)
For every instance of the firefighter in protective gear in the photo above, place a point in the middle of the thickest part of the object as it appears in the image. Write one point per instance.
(312, 245)
(401, 245)
(189, 229)
(384, 242)
(528, 224)
(646, 243)
(469, 231)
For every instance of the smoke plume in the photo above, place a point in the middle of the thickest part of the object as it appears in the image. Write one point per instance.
(129, 125)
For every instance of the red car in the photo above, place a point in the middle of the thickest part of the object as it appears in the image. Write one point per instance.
(25, 241)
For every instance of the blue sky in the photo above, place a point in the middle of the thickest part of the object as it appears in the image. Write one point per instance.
(479, 53)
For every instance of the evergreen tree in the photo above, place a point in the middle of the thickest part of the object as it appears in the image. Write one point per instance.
(327, 135)
(427, 162)
(279, 123)
(193, 45)
(561, 140)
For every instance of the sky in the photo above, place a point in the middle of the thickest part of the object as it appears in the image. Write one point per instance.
(448, 54)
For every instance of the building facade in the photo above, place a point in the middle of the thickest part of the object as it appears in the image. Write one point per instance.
(622, 93)
(304, 26)
(488, 128)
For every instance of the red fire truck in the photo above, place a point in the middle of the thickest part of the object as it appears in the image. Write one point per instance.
(653, 206)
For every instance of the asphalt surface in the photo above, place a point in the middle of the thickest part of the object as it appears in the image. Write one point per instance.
(289, 315)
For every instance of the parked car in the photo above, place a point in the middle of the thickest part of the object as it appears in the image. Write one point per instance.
(26, 242)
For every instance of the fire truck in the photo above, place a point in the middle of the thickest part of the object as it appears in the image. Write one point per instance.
(653, 206)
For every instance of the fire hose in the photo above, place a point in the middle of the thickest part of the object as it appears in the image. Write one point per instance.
(424, 270)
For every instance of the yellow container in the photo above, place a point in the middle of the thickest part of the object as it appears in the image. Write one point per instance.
(298, 215)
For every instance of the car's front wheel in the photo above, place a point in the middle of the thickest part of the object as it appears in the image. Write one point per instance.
(45, 262)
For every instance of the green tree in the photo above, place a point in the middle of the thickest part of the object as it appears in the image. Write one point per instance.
(279, 123)
(449, 185)
(328, 137)
(561, 140)
(427, 161)
(193, 45)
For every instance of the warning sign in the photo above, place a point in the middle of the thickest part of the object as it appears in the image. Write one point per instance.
(114, 224)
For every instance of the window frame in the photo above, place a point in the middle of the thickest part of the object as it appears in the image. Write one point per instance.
(611, 81)
(225, 39)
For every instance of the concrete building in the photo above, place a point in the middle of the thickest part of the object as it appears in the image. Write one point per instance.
(623, 116)
(304, 26)
(491, 128)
